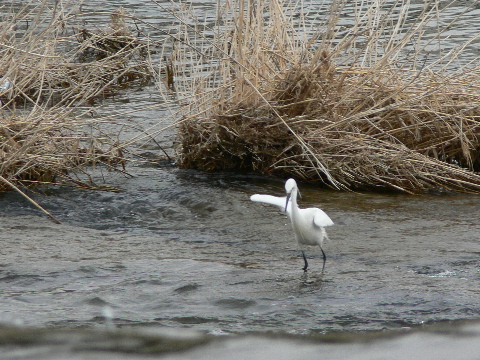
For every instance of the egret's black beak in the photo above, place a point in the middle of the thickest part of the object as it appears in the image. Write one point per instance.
(286, 204)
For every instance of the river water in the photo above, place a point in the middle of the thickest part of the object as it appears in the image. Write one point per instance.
(184, 250)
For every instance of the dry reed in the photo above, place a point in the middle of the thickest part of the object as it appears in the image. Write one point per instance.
(54, 70)
(358, 107)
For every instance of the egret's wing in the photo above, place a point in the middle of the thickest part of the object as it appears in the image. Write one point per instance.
(321, 218)
(269, 199)
(273, 200)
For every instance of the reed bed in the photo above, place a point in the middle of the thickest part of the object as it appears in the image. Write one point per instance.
(364, 106)
(52, 72)
(46, 147)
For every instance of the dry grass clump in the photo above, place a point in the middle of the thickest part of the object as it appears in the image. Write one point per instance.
(350, 108)
(55, 62)
(48, 133)
(116, 47)
(40, 148)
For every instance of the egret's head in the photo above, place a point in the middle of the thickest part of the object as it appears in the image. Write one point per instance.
(290, 185)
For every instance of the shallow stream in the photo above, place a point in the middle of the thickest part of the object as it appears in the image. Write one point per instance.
(181, 248)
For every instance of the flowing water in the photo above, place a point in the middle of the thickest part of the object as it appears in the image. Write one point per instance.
(187, 250)
(181, 248)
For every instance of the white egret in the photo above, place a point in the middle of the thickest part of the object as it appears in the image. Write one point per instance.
(308, 224)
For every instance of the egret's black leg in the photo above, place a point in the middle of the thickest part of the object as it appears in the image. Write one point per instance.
(306, 262)
(324, 258)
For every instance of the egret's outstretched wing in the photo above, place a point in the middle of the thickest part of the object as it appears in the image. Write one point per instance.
(273, 200)
(321, 219)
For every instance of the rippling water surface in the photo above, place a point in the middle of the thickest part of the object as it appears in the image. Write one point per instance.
(185, 249)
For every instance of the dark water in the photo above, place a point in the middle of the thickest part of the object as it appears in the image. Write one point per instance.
(184, 249)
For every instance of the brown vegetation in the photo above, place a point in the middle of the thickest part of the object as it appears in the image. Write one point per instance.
(330, 110)
(51, 76)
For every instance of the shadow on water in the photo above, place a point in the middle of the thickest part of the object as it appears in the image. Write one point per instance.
(312, 282)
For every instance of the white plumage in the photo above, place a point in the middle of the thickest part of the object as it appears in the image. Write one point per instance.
(308, 224)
